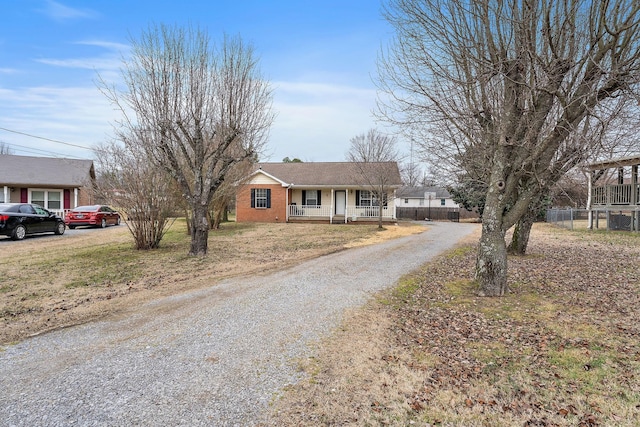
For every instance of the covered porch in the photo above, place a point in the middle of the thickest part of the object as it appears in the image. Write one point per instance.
(338, 205)
(614, 189)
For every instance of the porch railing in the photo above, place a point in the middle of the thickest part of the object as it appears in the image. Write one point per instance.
(369, 211)
(324, 211)
(309, 211)
(60, 212)
(619, 194)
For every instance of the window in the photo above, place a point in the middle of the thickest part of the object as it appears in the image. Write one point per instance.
(54, 200)
(37, 197)
(311, 197)
(48, 199)
(443, 202)
(367, 198)
(260, 198)
(406, 200)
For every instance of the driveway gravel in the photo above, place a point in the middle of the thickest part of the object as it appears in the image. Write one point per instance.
(214, 357)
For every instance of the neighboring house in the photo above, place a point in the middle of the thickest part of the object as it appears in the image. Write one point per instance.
(332, 192)
(413, 197)
(53, 183)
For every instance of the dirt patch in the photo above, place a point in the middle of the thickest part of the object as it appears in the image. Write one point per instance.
(561, 349)
(51, 282)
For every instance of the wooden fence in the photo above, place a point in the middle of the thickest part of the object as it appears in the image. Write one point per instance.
(435, 214)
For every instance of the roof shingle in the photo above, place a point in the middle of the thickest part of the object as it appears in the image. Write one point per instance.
(327, 173)
(49, 171)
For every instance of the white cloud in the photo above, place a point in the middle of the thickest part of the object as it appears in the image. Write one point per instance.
(113, 46)
(60, 12)
(314, 122)
(110, 60)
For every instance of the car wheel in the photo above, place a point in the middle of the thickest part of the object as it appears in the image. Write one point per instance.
(19, 232)
(103, 223)
(59, 228)
(118, 221)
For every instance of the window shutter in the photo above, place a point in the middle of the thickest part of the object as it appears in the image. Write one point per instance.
(304, 197)
(319, 197)
(268, 197)
(253, 197)
(357, 197)
(67, 199)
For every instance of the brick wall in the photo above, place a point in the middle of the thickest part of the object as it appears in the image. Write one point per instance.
(276, 213)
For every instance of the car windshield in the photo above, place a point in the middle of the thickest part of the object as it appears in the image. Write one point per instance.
(86, 208)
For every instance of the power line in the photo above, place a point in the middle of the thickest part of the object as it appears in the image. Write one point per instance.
(45, 139)
(31, 150)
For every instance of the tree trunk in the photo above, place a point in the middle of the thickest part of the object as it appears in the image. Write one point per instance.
(189, 220)
(380, 210)
(520, 238)
(491, 263)
(199, 231)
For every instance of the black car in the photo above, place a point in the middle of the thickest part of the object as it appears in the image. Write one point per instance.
(19, 219)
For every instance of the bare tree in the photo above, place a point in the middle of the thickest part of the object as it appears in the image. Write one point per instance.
(515, 88)
(4, 148)
(139, 190)
(226, 194)
(197, 109)
(374, 161)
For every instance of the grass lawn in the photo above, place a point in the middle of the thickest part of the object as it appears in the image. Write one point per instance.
(54, 281)
(561, 349)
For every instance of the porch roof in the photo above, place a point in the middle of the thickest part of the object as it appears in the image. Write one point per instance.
(324, 174)
(615, 163)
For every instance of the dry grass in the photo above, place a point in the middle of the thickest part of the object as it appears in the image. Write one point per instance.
(562, 349)
(47, 283)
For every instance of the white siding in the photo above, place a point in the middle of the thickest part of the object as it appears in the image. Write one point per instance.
(422, 203)
(260, 178)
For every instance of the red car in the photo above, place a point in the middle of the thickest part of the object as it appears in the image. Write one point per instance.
(95, 215)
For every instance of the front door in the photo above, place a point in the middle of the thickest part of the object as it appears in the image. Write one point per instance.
(341, 202)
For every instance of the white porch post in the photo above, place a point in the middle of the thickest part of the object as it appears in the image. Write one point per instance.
(75, 198)
(331, 211)
(6, 194)
(346, 205)
(589, 210)
(394, 203)
(286, 204)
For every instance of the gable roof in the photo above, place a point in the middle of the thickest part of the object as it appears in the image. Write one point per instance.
(45, 171)
(325, 173)
(419, 192)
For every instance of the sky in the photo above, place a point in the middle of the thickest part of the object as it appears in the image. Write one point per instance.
(320, 57)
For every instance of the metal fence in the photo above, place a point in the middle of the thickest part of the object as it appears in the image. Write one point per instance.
(568, 218)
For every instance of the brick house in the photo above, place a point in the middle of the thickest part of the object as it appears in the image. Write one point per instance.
(318, 191)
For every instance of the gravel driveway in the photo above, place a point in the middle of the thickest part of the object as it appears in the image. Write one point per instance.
(214, 357)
